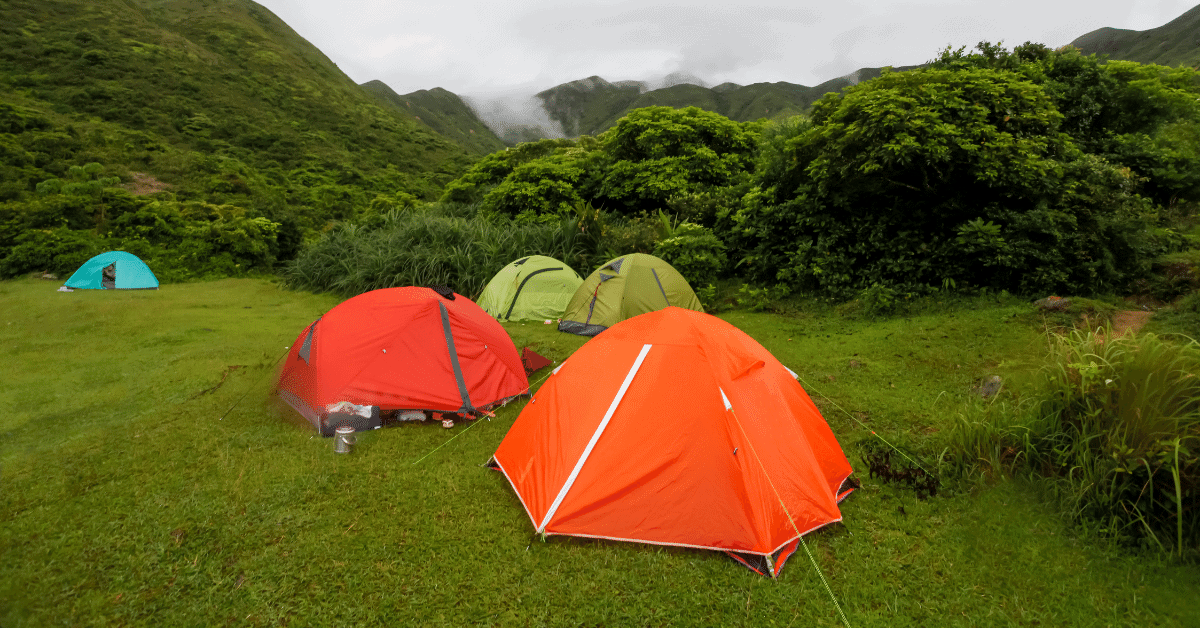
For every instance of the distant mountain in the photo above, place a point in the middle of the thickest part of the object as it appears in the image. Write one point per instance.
(581, 107)
(442, 111)
(589, 106)
(1174, 43)
(225, 84)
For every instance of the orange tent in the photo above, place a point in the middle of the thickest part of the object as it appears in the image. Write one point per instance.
(676, 428)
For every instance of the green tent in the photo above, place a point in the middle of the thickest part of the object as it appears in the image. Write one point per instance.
(623, 288)
(534, 288)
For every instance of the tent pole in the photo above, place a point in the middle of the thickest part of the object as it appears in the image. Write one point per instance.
(612, 408)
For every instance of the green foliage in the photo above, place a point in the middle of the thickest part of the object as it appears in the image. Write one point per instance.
(539, 187)
(621, 235)
(492, 169)
(1181, 318)
(656, 153)
(759, 298)
(1144, 117)
(60, 251)
(920, 179)
(224, 108)
(695, 252)
(1114, 427)
(428, 246)
(878, 299)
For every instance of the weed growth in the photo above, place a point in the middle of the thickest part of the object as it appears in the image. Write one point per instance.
(1113, 425)
(425, 247)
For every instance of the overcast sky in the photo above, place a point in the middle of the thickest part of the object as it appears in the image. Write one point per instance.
(484, 47)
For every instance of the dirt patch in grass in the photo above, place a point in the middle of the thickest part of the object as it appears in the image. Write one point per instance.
(1129, 321)
(144, 184)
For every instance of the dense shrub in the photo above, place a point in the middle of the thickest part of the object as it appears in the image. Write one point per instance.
(695, 252)
(921, 179)
(656, 153)
(428, 246)
(60, 251)
(1114, 427)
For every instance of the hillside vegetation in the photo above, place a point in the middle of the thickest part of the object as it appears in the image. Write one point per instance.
(442, 111)
(1033, 171)
(205, 136)
(593, 105)
(1172, 44)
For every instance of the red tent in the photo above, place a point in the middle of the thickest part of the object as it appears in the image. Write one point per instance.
(402, 348)
(532, 361)
(676, 428)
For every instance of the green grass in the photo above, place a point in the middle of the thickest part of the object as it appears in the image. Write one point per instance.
(126, 499)
(1114, 422)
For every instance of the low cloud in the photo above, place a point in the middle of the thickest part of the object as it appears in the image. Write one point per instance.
(507, 114)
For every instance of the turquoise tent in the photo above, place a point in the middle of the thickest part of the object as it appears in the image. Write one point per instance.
(113, 270)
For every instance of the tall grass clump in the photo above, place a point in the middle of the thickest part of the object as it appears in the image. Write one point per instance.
(1113, 426)
(430, 246)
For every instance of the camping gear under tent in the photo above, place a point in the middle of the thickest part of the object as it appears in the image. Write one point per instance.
(534, 288)
(623, 288)
(114, 270)
(400, 349)
(676, 428)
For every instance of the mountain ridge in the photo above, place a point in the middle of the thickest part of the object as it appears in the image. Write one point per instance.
(1175, 43)
(443, 111)
(590, 105)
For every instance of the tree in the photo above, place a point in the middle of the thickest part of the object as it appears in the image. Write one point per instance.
(1145, 117)
(656, 153)
(925, 178)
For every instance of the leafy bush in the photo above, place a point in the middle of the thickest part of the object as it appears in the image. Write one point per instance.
(1114, 427)
(60, 251)
(695, 252)
(428, 246)
(1181, 318)
(916, 178)
(656, 153)
(543, 186)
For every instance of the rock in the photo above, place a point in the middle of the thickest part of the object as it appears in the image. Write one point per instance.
(990, 387)
(1053, 303)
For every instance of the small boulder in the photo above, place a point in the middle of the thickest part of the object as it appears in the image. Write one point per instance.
(989, 387)
(1053, 303)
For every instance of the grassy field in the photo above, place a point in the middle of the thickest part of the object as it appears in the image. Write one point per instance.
(130, 493)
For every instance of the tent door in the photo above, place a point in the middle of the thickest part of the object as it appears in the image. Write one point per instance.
(521, 287)
(108, 279)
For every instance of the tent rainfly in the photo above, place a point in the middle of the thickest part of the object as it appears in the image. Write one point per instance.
(676, 428)
(625, 287)
(401, 349)
(534, 288)
(114, 270)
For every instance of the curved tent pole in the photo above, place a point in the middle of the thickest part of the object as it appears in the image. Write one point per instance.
(522, 287)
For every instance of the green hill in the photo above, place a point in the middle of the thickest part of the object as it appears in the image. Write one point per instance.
(591, 105)
(442, 111)
(219, 102)
(584, 107)
(1173, 44)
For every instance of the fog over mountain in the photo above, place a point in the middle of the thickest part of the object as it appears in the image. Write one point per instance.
(512, 116)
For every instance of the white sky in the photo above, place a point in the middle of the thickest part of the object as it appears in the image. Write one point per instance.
(487, 48)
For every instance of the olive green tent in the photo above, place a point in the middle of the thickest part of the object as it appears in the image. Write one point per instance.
(623, 288)
(534, 288)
